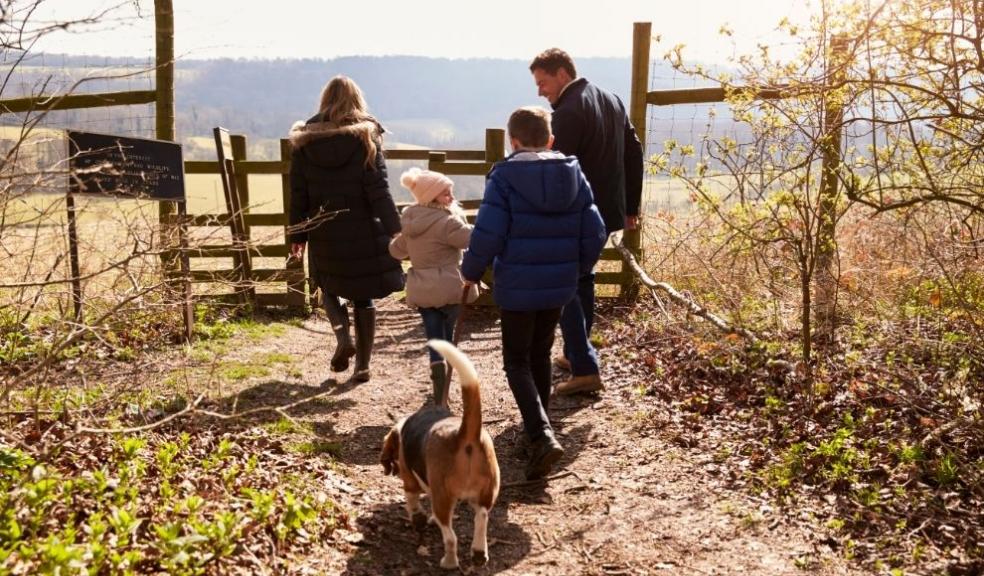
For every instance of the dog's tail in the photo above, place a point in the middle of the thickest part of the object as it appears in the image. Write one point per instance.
(471, 397)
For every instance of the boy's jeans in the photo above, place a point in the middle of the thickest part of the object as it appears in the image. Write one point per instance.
(439, 324)
(575, 326)
(526, 341)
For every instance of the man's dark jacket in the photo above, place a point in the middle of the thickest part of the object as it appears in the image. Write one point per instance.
(350, 250)
(591, 123)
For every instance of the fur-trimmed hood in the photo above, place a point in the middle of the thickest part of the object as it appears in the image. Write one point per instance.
(303, 133)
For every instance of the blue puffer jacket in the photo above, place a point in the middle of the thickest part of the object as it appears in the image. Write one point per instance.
(539, 228)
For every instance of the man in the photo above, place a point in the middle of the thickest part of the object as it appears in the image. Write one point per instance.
(590, 123)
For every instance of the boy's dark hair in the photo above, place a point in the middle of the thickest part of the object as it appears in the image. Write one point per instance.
(530, 126)
(553, 59)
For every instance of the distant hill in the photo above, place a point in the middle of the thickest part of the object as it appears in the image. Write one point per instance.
(425, 101)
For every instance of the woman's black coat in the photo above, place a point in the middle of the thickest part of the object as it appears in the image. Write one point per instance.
(344, 209)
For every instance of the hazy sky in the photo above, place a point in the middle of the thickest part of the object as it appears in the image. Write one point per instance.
(448, 28)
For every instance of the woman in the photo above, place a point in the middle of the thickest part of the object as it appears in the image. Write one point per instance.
(340, 204)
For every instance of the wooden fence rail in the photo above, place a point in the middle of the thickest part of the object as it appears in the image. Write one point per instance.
(451, 162)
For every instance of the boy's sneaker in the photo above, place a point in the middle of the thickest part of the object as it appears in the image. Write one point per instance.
(544, 453)
(585, 384)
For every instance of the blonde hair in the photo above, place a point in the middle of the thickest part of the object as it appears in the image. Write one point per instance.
(343, 104)
(454, 208)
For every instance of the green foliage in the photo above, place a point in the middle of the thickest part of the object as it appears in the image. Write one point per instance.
(15, 346)
(118, 519)
(946, 470)
(242, 371)
(910, 454)
(789, 469)
(316, 447)
(286, 426)
(210, 325)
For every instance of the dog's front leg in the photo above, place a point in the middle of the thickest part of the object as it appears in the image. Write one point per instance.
(480, 544)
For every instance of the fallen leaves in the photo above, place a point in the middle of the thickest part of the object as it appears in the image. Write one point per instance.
(885, 449)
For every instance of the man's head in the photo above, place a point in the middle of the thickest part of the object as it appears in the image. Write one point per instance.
(529, 129)
(552, 70)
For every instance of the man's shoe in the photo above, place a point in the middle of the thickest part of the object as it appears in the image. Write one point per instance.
(562, 363)
(544, 453)
(580, 385)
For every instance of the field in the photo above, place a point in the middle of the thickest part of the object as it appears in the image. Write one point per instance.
(109, 228)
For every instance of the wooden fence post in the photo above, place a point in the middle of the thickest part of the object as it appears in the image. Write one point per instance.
(495, 145)
(641, 40)
(171, 233)
(242, 192)
(73, 258)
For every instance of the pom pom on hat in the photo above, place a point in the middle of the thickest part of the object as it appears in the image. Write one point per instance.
(425, 185)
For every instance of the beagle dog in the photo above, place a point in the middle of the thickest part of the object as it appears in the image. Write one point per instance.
(449, 459)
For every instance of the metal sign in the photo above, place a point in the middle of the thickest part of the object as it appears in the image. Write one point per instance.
(125, 166)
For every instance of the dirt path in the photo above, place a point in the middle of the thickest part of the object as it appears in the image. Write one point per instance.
(631, 502)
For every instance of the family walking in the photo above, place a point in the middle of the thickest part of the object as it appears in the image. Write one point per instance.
(573, 178)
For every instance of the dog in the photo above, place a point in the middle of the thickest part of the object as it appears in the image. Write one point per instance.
(449, 458)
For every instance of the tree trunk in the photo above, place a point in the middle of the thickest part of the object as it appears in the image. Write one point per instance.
(825, 278)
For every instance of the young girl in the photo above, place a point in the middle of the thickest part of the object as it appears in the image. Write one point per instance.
(434, 234)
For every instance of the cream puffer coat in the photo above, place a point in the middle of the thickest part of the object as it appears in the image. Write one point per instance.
(433, 239)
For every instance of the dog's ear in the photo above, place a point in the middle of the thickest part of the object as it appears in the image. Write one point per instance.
(389, 457)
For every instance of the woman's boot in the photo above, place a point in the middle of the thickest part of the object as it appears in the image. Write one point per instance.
(338, 316)
(438, 377)
(365, 333)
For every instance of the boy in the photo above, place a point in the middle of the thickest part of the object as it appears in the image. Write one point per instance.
(539, 228)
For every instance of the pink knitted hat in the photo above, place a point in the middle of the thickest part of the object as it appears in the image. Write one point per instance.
(424, 184)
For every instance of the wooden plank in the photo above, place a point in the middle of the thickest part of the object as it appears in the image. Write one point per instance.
(262, 167)
(227, 251)
(456, 155)
(76, 101)
(707, 95)
(283, 167)
(235, 200)
(232, 276)
(201, 167)
(242, 167)
(263, 299)
(609, 278)
(461, 168)
(242, 178)
(609, 254)
(205, 220)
